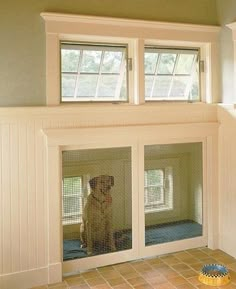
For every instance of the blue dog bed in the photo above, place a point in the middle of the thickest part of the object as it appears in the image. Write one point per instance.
(157, 234)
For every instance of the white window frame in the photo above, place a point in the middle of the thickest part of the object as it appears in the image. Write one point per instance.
(167, 196)
(136, 34)
(66, 218)
(172, 75)
(102, 47)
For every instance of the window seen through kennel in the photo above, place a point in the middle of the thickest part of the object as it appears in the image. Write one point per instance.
(96, 202)
(173, 187)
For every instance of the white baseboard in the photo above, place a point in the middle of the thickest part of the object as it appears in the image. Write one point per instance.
(25, 279)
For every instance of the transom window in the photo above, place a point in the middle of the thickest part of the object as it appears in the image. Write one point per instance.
(93, 72)
(158, 189)
(171, 74)
(181, 42)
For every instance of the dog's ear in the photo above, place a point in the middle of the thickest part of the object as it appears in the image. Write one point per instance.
(93, 182)
(112, 180)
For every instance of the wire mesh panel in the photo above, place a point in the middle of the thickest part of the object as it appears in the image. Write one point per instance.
(172, 192)
(96, 207)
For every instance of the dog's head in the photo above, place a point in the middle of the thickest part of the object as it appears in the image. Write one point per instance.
(102, 183)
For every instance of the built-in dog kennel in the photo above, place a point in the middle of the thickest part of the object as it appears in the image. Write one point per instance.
(171, 184)
(121, 194)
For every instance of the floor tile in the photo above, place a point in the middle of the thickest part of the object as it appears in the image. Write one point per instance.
(72, 281)
(189, 273)
(136, 281)
(96, 281)
(116, 281)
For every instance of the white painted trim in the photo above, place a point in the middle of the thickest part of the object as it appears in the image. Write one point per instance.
(134, 33)
(199, 112)
(57, 17)
(232, 26)
(168, 133)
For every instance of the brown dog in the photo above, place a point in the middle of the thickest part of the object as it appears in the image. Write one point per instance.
(96, 229)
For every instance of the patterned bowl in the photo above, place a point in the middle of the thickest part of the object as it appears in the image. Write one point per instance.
(214, 275)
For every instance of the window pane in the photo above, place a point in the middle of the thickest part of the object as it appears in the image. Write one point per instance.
(71, 205)
(148, 85)
(162, 86)
(154, 177)
(185, 63)
(111, 62)
(150, 61)
(179, 87)
(175, 74)
(87, 85)
(166, 64)
(100, 72)
(68, 85)
(69, 60)
(194, 92)
(108, 86)
(124, 88)
(153, 195)
(91, 61)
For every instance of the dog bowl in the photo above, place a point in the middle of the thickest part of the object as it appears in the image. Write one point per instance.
(214, 275)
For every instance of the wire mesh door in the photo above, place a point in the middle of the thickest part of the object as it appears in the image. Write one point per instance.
(96, 207)
(173, 187)
(105, 204)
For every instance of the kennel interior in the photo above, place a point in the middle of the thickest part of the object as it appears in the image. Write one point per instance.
(171, 194)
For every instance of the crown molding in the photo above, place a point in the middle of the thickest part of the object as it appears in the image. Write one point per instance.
(74, 18)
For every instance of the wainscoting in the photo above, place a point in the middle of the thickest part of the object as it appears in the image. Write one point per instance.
(30, 243)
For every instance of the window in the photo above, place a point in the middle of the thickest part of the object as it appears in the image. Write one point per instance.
(171, 74)
(158, 189)
(92, 72)
(73, 201)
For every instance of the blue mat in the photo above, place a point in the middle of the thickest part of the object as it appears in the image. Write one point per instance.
(153, 235)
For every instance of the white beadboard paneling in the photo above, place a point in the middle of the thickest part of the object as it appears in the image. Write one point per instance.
(6, 200)
(228, 188)
(23, 192)
(227, 180)
(40, 198)
(31, 188)
(15, 197)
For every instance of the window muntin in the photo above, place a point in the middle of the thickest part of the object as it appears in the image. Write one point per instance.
(171, 74)
(73, 200)
(93, 72)
(158, 189)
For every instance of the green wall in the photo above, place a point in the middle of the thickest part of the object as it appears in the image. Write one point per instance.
(22, 42)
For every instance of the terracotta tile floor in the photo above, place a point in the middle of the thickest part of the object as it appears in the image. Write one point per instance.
(178, 270)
